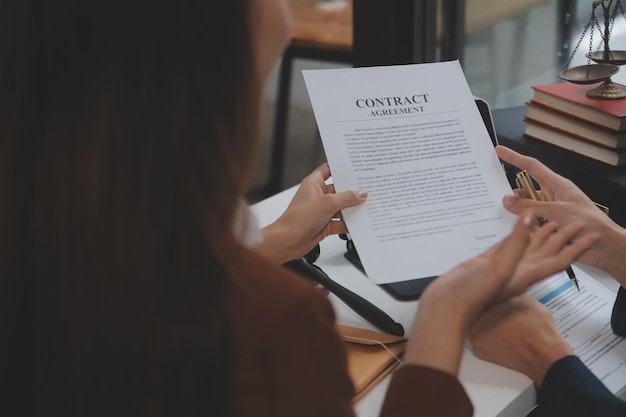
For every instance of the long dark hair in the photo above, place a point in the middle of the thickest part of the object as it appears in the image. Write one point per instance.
(126, 132)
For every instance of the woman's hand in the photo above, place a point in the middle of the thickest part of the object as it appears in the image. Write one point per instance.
(563, 202)
(519, 334)
(313, 214)
(550, 251)
(451, 304)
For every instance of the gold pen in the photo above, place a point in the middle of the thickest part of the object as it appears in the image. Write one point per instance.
(525, 184)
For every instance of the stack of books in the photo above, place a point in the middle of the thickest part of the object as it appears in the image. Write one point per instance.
(562, 114)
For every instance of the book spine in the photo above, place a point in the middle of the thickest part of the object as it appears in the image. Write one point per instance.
(579, 111)
(578, 134)
(569, 143)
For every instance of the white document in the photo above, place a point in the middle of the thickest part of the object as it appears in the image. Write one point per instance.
(584, 319)
(412, 136)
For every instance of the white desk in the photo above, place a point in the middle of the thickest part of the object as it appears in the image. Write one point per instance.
(494, 390)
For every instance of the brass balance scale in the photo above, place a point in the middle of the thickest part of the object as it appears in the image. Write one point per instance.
(606, 62)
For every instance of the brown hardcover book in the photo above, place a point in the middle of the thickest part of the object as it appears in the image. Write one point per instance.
(614, 157)
(571, 98)
(574, 126)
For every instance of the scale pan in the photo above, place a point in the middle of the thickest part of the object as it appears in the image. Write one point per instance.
(616, 57)
(588, 74)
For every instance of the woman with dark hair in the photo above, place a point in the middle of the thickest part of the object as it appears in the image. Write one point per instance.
(133, 280)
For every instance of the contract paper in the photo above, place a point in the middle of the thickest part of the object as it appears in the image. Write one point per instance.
(583, 318)
(412, 136)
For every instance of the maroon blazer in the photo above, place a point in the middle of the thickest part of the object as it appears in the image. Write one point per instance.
(288, 360)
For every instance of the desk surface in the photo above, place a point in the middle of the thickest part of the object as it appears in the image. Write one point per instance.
(494, 390)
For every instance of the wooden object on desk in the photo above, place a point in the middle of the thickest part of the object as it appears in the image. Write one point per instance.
(481, 13)
(328, 24)
(319, 33)
(322, 24)
(602, 183)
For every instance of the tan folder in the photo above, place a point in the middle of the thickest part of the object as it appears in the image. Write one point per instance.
(371, 356)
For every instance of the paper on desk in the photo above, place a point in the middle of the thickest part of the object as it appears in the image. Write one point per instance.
(584, 320)
(412, 136)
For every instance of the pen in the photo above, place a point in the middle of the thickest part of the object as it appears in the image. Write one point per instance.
(360, 305)
(525, 183)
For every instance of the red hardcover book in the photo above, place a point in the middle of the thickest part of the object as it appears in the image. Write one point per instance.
(615, 157)
(571, 98)
(574, 126)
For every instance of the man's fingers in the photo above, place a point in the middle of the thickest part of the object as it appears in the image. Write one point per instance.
(541, 173)
(516, 205)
